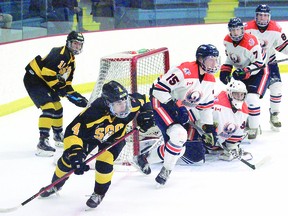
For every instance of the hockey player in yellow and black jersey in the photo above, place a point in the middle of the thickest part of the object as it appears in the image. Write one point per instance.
(110, 112)
(46, 79)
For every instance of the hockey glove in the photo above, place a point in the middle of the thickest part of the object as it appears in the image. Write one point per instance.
(77, 158)
(77, 99)
(209, 137)
(145, 120)
(180, 114)
(241, 74)
(225, 77)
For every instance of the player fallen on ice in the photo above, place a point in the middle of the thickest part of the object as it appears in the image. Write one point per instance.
(230, 115)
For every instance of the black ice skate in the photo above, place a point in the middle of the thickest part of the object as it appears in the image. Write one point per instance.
(163, 176)
(94, 200)
(44, 149)
(58, 138)
(141, 163)
(47, 193)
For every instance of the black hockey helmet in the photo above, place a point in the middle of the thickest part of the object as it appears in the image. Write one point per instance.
(235, 23)
(116, 96)
(204, 57)
(75, 36)
(262, 9)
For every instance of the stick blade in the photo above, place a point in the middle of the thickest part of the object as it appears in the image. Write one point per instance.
(265, 160)
(7, 210)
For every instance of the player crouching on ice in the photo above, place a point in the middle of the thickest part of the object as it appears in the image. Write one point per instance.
(113, 111)
(230, 115)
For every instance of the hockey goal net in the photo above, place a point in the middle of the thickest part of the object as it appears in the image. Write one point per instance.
(136, 71)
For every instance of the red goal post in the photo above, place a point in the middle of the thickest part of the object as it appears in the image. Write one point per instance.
(136, 70)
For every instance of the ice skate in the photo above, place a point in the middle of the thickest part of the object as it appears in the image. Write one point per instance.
(274, 121)
(141, 163)
(44, 149)
(94, 200)
(163, 176)
(234, 154)
(252, 133)
(47, 193)
(58, 138)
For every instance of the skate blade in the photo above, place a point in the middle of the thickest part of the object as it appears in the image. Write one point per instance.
(273, 128)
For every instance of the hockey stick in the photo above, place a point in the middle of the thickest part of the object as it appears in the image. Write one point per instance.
(5, 210)
(263, 66)
(252, 166)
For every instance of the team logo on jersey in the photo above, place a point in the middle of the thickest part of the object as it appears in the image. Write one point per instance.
(228, 130)
(192, 98)
(251, 42)
(234, 57)
(186, 71)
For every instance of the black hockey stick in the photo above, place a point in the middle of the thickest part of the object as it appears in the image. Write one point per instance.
(5, 210)
(252, 166)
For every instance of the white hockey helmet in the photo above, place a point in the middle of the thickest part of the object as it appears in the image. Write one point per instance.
(237, 92)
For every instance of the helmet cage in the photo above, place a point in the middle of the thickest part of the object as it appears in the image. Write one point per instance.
(234, 25)
(260, 11)
(237, 93)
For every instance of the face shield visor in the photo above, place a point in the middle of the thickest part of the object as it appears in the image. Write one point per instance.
(210, 64)
(121, 108)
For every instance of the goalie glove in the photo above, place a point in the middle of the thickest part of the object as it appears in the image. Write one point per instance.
(145, 120)
(209, 137)
(77, 99)
(77, 158)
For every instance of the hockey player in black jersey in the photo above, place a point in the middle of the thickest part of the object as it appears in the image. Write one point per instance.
(46, 79)
(113, 111)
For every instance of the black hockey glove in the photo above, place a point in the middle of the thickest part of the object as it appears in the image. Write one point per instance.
(145, 120)
(77, 99)
(209, 137)
(241, 74)
(77, 158)
(225, 77)
(179, 113)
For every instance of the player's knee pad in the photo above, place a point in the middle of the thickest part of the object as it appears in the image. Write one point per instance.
(276, 88)
(177, 134)
(195, 152)
(253, 100)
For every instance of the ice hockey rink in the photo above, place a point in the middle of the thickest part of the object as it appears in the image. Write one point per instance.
(211, 188)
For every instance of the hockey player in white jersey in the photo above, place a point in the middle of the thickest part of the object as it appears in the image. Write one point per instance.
(272, 39)
(230, 114)
(244, 52)
(191, 84)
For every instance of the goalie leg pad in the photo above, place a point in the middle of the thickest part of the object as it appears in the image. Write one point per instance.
(195, 152)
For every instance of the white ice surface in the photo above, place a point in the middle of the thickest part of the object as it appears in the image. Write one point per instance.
(213, 188)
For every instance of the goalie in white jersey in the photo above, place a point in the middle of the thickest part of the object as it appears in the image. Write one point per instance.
(272, 39)
(192, 85)
(244, 52)
(230, 114)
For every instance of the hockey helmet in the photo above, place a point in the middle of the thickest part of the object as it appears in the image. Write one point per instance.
(263, 15)
(75, 48)
(207, 56)
(237, 92)
(117, 98)
(236, 29)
